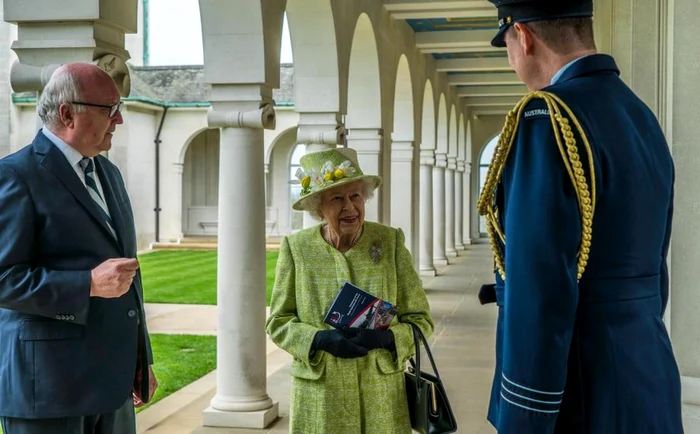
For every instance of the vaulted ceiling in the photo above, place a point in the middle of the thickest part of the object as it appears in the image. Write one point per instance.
(458, 33)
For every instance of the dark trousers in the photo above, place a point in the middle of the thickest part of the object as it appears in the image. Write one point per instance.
(122, 421)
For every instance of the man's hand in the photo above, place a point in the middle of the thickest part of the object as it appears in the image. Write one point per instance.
(113, 277)
(152, 386)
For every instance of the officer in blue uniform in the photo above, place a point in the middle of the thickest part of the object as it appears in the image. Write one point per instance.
(579, 203)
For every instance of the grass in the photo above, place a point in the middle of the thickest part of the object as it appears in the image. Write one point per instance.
(188, 276)
(180, 360)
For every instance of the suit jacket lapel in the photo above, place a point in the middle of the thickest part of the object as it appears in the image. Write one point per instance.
(51, 157)
(114, 209)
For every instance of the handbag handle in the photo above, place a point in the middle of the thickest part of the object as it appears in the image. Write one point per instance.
(418, 336)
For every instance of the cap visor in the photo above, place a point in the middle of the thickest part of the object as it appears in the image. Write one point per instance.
(499, 40)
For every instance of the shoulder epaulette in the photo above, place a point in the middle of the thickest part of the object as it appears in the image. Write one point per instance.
(561, 116)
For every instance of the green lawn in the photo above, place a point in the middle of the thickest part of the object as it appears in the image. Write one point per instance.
(180, 360)
(188, 276)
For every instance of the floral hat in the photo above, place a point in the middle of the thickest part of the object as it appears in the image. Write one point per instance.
(320, 171)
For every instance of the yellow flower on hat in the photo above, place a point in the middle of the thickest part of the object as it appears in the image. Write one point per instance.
(322, 170)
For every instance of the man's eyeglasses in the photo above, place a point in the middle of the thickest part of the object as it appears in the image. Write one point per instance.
(113, 109)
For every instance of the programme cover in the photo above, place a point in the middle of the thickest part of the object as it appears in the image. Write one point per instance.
(354, 307)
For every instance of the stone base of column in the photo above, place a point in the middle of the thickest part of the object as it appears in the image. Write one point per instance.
(240, 419)
(428, 272)
(460, 247)
(451, 253)
(690, 388)
(440, 262)
(467, 242)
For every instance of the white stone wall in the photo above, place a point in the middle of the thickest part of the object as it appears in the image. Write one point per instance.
(133, 151)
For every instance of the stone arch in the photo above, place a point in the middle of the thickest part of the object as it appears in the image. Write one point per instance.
(279, 207)
(404, 178)
(364, 90)
(187, 143)
(485, 157)
(452, 144)
(442, 137)
(403, 103)
(315, 55)
(461, 140)
(200, 184)
(364, 113)
(428, 118)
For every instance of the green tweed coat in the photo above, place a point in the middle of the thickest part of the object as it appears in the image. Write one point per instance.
(346, 396)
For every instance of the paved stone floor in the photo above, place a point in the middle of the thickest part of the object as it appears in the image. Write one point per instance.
(462, 345)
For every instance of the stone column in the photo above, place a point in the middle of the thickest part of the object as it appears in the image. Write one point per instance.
(5, 95)
(241, 398)
(176, 219)
(368, 144)
(682, 55)
(439, 253)
(402, 204)
(467, 205)
(425, 255)
(90, 31)
(319, 131)
(450, 250)
(459, 201)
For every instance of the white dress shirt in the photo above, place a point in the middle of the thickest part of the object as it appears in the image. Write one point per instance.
(74, 157)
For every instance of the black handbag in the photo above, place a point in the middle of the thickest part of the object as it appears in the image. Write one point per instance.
(428, 405)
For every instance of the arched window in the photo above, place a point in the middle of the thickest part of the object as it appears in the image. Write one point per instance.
(296, 217)
(484, 161)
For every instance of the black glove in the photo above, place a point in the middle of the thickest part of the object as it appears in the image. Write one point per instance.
(335, 343)
(372, 339)
(487, 294)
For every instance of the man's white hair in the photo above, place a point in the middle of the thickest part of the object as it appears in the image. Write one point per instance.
(62, 88)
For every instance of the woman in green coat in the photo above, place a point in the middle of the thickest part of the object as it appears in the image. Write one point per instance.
(344, 381)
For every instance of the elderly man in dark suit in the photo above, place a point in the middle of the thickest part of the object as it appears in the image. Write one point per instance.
(75, 352)
(579, 204)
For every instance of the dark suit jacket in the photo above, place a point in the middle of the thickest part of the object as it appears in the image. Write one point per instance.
(62, 353)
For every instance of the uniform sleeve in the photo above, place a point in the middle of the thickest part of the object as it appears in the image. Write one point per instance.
(664, 254)
(24, 286)
(283, 325)
(412, 303)
(542, 229)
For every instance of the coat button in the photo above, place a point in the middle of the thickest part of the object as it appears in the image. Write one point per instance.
(131, 313)
(58, 317)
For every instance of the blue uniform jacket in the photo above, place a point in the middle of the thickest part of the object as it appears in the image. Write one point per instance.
(62, 353)
(592, 356)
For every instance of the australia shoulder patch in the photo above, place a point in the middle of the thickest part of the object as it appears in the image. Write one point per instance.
(535, 111)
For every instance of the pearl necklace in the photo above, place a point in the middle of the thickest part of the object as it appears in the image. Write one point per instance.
(327, 238)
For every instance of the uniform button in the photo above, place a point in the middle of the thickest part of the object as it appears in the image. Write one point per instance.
(58, 317)
(71, 317)
(131, 313)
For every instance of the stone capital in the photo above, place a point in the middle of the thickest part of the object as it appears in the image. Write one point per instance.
(427, 157)
(451, 163)
(440, 160)
(264, 118)
(320, 129)
(402, 151)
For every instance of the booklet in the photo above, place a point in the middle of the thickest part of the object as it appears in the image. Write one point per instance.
(354, 307)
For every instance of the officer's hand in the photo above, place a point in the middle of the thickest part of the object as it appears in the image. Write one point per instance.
(335, 343)
(112, 278)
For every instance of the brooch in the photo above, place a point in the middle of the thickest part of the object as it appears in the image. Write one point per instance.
(375, 252)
